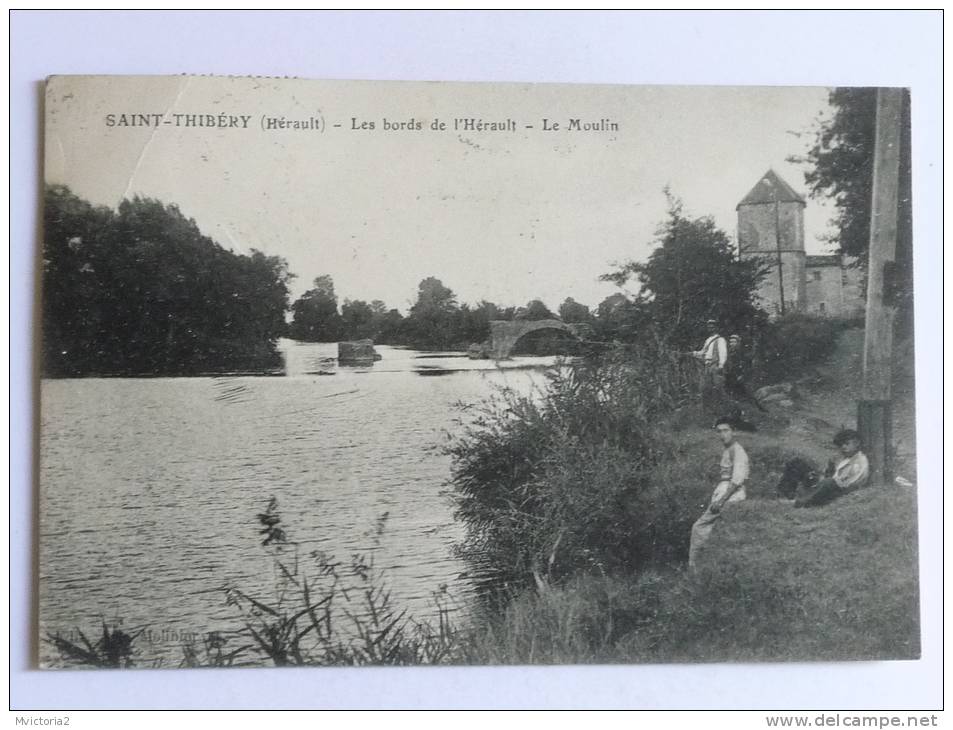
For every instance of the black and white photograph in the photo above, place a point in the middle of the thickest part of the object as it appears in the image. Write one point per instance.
(360, 373)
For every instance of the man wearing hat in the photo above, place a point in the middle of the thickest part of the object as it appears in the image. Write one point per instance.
(714, 356)
(845, 474)
(714, 352)
(733, 474)
(736, 373)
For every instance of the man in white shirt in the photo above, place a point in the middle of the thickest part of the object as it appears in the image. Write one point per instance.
(714, 352)
(850, 472)
(733, 473)
(713, 355)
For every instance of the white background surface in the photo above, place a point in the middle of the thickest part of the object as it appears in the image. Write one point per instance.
(823, 48)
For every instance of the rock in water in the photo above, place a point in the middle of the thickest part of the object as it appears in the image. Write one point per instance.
(358, 352)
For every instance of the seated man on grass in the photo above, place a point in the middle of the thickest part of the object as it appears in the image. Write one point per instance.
(733, 474)
(845, 475)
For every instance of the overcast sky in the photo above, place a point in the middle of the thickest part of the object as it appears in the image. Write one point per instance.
(503, 216)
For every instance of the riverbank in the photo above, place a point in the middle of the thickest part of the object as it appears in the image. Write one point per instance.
(775, 584)
(819, 585)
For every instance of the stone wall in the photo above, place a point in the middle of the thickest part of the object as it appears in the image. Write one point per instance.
(855, 294)
(825, 291)
(835, 290)
(758, 233)
(793, 273)
(757, 224)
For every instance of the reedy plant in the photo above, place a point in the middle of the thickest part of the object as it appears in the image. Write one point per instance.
(550, 484)
(301, 624)
(114, 648)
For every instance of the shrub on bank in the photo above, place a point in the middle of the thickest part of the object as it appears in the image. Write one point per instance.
(560, 481)
(590, 475)
(788, 346)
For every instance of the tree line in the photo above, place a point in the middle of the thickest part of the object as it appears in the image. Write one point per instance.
(141, 290)
(436, 319)
(692, 275)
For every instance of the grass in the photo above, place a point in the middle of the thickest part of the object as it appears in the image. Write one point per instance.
(777, 584)
(774, 584)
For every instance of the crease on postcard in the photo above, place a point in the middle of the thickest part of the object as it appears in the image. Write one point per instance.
(145, 147)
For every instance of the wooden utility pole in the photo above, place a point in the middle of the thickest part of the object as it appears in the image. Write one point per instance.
(777, 245)
(874, 412)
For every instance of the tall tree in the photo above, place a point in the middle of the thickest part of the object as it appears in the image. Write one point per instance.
(619, 318)
(693, 275)
(390, 327)
(315, 314)
(141, 290)
(572, 311)
(432, 296)
(358, 320)
(432, 318)
(535, 309)
(840, 168)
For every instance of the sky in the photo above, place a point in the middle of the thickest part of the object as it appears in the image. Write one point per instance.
(505, 216)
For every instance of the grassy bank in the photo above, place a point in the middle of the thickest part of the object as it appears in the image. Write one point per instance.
(776, 583)
(583, 502)
(779, 585)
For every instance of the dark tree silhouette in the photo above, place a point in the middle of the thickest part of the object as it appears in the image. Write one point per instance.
(572, 311)
(535, 310)
(840, 167)
(693, 275)
(315, 316)
(142, 291)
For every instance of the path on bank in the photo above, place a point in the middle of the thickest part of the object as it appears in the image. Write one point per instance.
(845, 575)
(775, 583)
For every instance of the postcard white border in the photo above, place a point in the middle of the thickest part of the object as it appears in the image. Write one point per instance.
(789, 47)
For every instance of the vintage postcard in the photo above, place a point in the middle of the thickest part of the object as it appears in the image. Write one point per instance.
(361, 373)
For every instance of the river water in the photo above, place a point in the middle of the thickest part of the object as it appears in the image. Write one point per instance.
(150, 487)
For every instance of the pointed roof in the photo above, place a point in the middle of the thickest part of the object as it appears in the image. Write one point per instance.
(770, 188)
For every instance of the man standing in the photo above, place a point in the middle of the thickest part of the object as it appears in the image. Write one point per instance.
(714, 353)
(713, 356)
(736, 373)
(734, 470)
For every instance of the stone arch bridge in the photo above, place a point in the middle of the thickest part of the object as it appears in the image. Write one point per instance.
(504, 335)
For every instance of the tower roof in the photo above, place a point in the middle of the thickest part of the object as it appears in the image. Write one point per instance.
(771, 188)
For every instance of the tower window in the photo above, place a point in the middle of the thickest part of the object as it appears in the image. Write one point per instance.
(817, 275)
(822, 307)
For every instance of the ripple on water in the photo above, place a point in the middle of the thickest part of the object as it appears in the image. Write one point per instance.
(150, 488)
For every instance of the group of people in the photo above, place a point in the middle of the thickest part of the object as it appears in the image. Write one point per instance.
(802, 483)
(725, 366)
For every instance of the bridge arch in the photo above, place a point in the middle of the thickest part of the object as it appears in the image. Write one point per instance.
(504, 335)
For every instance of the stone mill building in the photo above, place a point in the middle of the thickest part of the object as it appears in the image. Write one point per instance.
(771, 225)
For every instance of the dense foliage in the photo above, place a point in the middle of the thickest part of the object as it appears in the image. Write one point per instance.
(557, 483)
(692, 275)
(436, 320)
(585, 476)
(792, 344)
(572, 311)
(840, 164)
(140, 290)
(315, 316)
